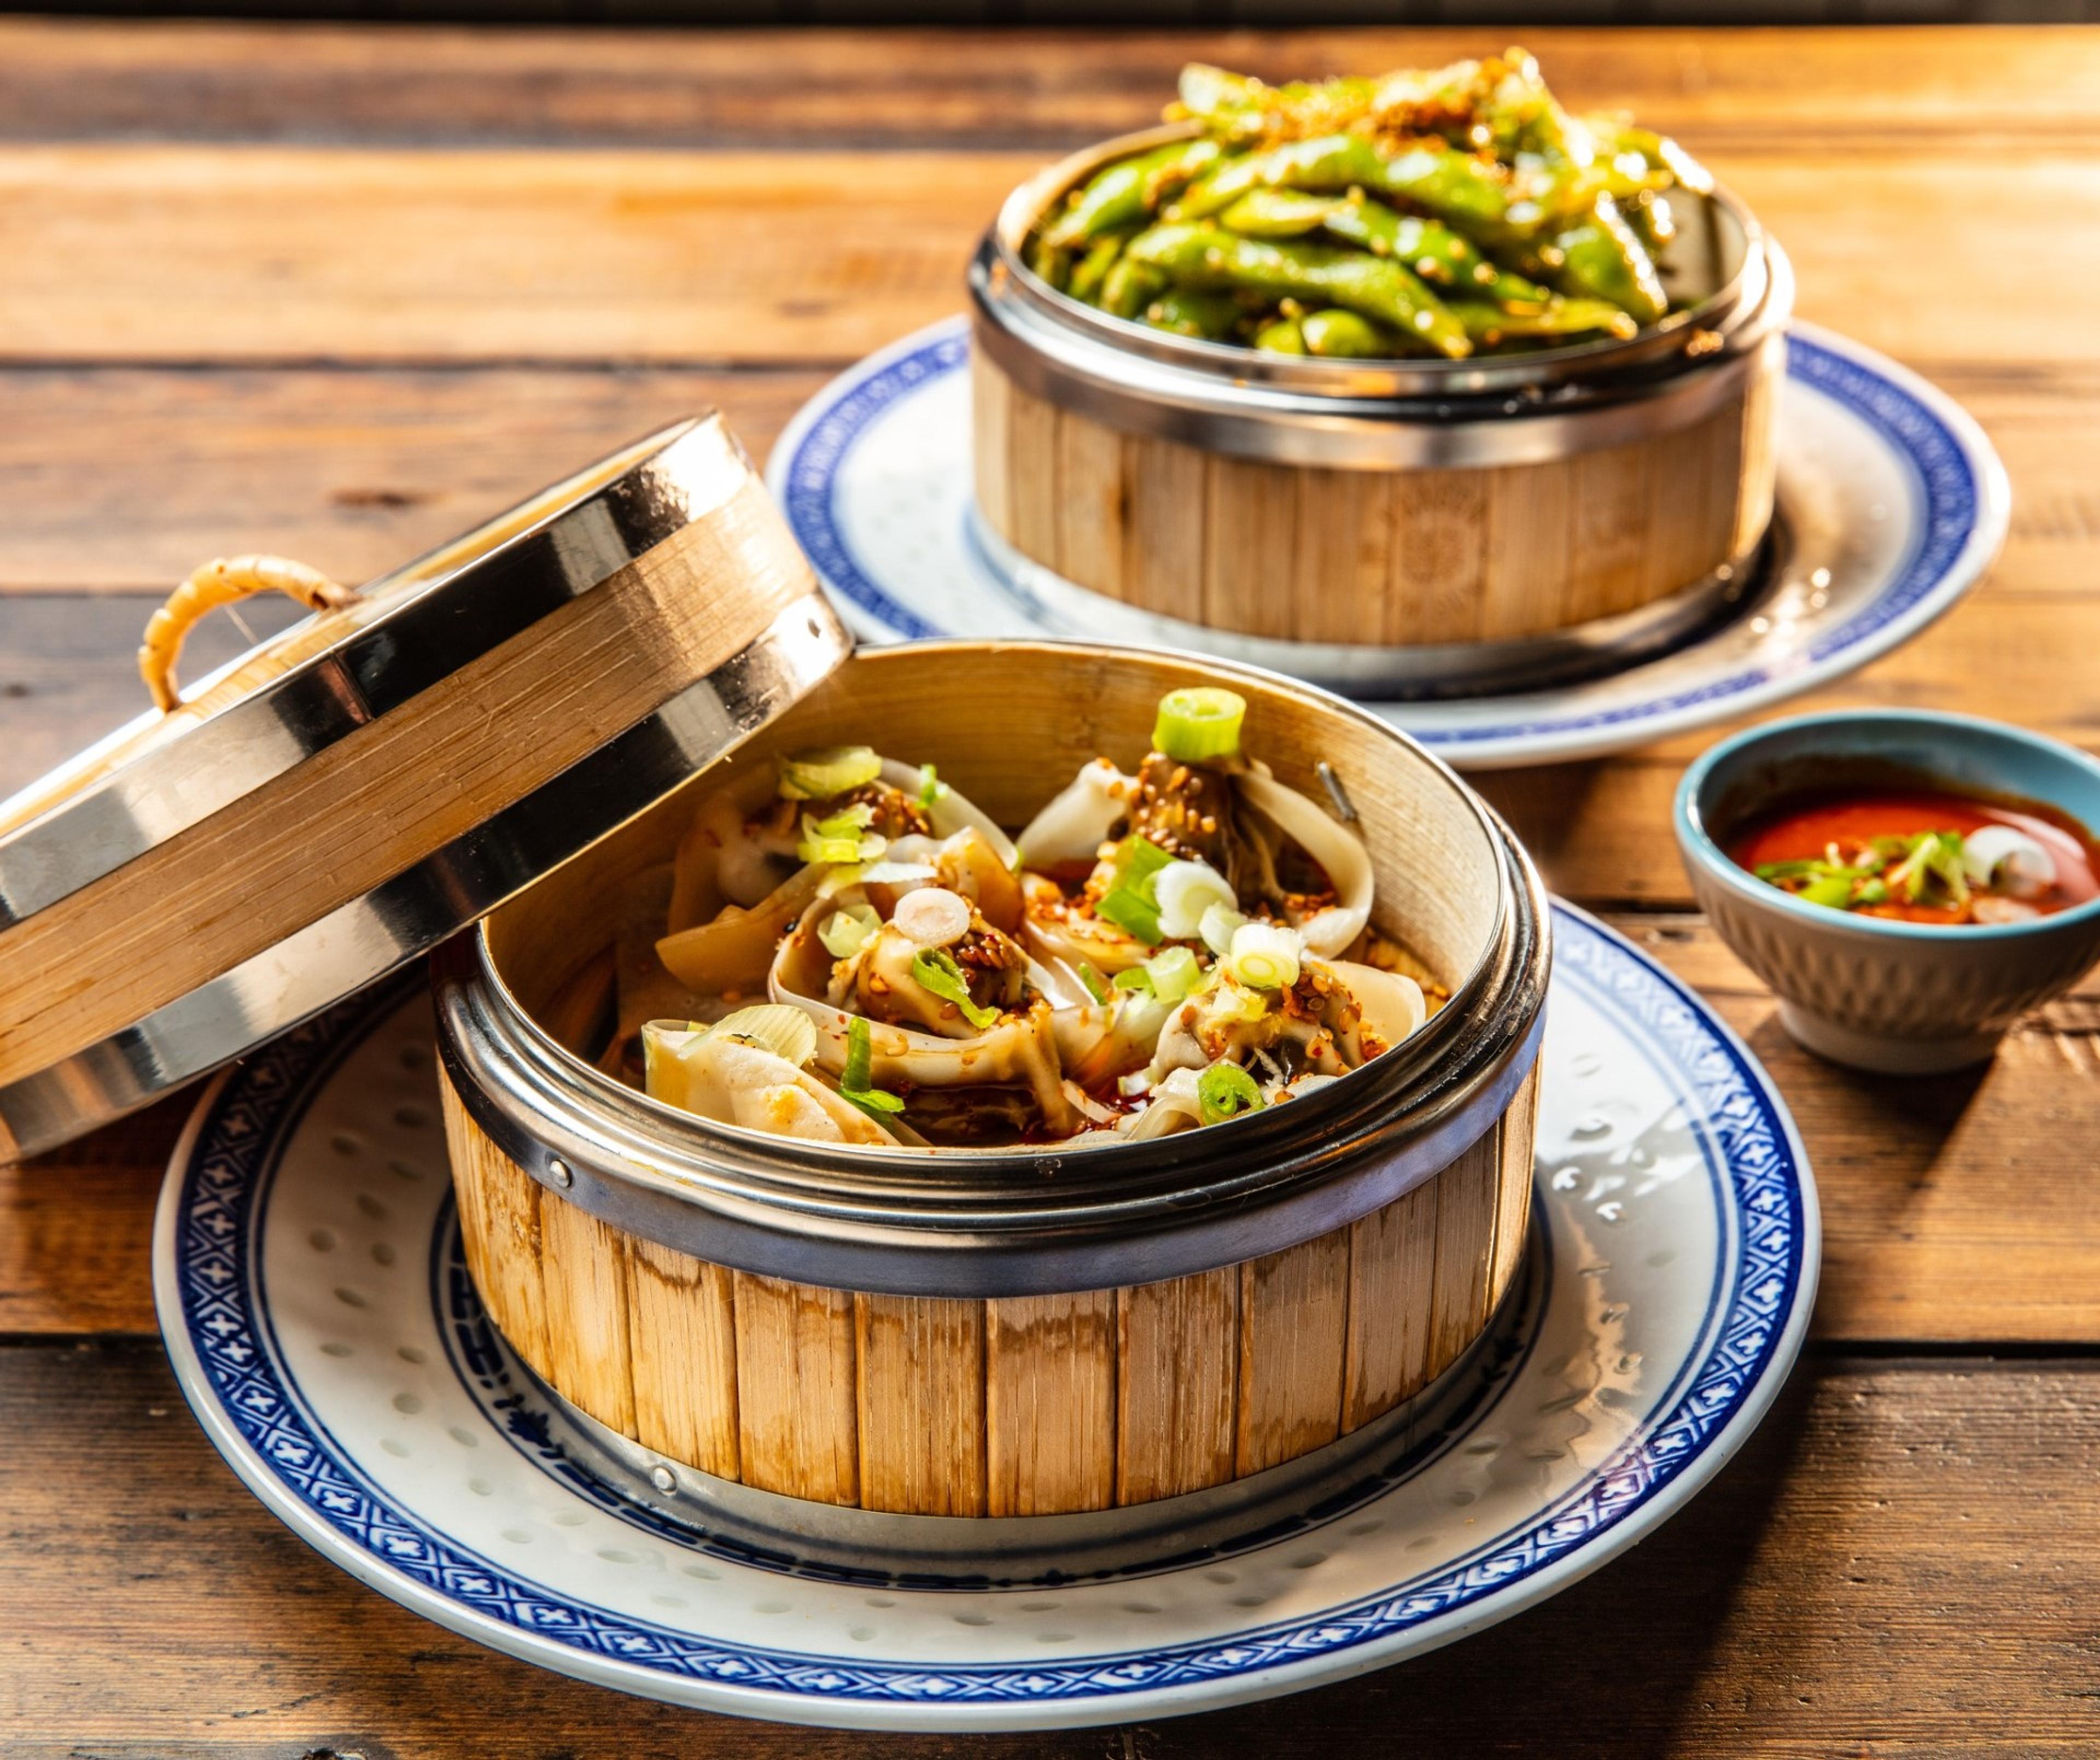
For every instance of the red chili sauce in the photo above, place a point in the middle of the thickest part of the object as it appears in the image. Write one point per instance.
(1867, 832)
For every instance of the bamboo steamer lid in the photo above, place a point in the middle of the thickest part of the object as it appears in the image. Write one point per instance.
(349, 794)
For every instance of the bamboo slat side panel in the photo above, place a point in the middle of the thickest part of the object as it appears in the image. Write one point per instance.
(921, 1403)
(1040, 1405)
(1050, 1393)
(1404, 557)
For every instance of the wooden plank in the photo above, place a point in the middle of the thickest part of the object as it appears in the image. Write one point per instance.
(356, 470)
(303, 254)
(1858, 1580)
(1799, 92)
(353, 472)
(255, 253)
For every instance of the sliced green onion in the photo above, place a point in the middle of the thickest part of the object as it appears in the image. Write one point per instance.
(1221, 923)
(1184, 891)
(1129, 902)
(845, 931)
(931, 787)
(771, 1026)
(1264, 956)
(1871, 892)
(1835, 890)
(1173, 973)
(1225, 1089)
(936, 969)
(1199, 722)
(1136, 980)
(843, 837)
(1097, 986)
(831, 770)
(860, 1060)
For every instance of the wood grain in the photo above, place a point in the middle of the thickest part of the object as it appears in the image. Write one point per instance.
(1299, 554)
(296, 254)
(1859, 1581)
(1795, 91)
(1903, 1561)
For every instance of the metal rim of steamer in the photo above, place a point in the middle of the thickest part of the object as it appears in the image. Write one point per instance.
(526, 573)
(1019, 1223)
(1357, 415)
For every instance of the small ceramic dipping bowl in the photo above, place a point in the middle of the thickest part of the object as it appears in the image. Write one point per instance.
(1905, 998)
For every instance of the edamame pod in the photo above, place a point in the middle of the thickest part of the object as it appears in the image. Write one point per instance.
(1601, 259)
(1129, 286)
(1091, 270)
(1211, 316)
(1284, 337)
(1127, 193)
(1277, 213)
(1337, 334)
(1210, 258)
(1431, 249)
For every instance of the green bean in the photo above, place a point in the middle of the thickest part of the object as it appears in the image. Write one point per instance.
(1373, 203)
(1052, 264)
(1331, 162)
(1453, 185)
(1127, 192)
(1284, 336)
(1431, 249)
(1212, 317)
(1092, 269)
(1240, 108)
(1618, 137)
(1130, 286)
(1653, 220)
(1599, 257)
(1277, 213)
(1212, 259)
(1347, 335)
(1488, 324)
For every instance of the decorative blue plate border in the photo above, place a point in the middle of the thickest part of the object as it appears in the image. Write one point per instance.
(1962, 501)
(214, 1315)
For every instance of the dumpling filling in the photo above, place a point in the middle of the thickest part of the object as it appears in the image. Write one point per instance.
(872, 960)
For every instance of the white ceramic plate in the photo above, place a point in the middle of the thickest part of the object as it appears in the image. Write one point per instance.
(1893, 501)
(307, 1271)
(322, 1323)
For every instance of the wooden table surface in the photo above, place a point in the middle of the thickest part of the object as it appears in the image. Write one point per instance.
(335, 291)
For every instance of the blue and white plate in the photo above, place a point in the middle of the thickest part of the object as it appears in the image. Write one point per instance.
(1893, 501)
(307, 1272)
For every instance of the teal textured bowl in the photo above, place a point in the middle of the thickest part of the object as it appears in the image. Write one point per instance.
(1905, 999)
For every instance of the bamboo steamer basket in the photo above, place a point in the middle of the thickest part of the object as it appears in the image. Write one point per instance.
(518, 722)
(349, 794)
(1412, 526)
(1020, 1335)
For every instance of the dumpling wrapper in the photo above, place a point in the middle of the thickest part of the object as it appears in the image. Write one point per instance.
(714, 1076)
